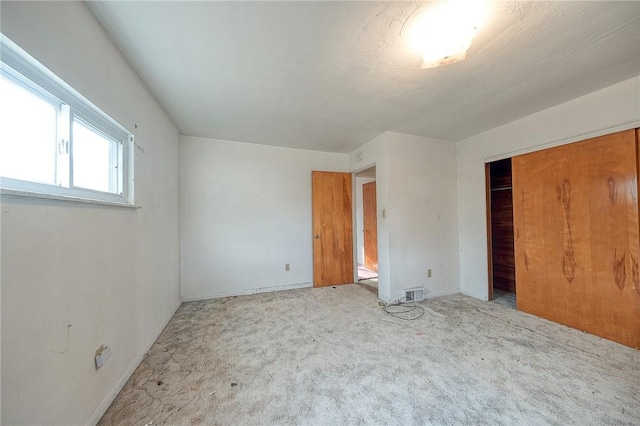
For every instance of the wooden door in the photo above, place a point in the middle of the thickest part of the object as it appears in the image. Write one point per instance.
(332, 229)
(370, 225)
(577, 236)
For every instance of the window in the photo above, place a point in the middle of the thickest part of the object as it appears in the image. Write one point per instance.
(53, 141)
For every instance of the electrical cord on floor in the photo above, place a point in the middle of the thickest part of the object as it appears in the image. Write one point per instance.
(402, 309)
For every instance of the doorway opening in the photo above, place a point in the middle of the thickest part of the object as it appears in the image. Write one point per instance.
(367, 228)
(501, 257)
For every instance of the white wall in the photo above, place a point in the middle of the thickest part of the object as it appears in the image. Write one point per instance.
(605, 111)
(416, 185)
(245, 212)
(359, 226)
(423, 214)
(110, 273)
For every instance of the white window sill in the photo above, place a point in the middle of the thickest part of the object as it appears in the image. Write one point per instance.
(14, 193)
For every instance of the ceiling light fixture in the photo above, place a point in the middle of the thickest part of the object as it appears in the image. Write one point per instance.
(444, 33)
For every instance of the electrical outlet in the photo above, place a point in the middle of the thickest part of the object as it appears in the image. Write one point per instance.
(384, 213)
(428, 273)
(287, 267)
(103, 353)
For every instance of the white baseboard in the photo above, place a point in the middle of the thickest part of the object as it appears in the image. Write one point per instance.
(218, 295)
(446, 292)
(430, 294)
(481, 296)
(106, 402)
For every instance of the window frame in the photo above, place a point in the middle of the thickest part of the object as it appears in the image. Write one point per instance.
(22, 69)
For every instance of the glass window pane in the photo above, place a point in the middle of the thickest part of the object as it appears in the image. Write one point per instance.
(93, 156)
(27, 134)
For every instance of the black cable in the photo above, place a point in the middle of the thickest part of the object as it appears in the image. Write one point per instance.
(404, 308)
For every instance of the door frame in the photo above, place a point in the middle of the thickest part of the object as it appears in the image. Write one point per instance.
(369, 200)
(335, 274)
(355, 221)
(499, 199)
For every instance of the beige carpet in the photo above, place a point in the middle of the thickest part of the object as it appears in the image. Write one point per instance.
(503, 298)
(331, 356)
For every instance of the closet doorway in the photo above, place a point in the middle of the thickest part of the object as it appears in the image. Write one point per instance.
(502, 275)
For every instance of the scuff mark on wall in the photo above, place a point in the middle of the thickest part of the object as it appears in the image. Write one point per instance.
(68, 340)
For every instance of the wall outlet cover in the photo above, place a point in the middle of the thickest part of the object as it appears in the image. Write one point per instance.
(103, 356)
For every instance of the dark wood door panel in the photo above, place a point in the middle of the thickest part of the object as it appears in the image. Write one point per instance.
(501, 223)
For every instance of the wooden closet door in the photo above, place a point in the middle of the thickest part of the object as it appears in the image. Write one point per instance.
(577, 235)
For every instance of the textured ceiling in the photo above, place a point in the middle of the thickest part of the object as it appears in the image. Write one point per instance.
(331, 76)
